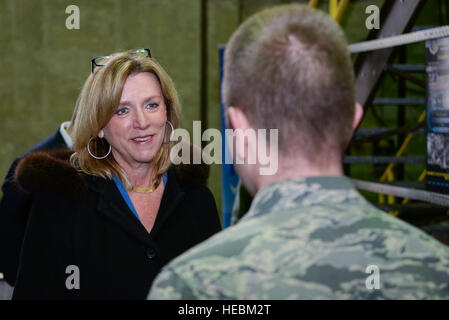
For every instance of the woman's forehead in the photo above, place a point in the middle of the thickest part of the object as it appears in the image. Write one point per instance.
(141, 84)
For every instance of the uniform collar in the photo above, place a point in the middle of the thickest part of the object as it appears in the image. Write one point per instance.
(290, 194)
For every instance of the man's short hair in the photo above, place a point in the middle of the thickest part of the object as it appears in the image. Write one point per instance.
(289, 68)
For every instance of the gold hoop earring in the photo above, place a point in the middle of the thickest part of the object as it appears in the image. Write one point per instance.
(172, 132)
(94, 156)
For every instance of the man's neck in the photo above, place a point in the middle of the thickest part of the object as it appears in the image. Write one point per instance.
(299, 169)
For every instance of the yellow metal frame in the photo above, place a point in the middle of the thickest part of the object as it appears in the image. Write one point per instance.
(388, 174)
(336, 8)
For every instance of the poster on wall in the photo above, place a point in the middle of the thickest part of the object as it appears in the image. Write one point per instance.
(437, 69)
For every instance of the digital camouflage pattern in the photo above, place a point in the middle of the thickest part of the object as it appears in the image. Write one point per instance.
(310, 238)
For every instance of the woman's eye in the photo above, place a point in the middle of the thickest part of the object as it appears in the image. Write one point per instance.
(121, 111)
(152, 105)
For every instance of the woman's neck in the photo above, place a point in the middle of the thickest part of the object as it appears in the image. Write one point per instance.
(139, 175)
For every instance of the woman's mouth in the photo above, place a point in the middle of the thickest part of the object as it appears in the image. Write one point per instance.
(142, 140)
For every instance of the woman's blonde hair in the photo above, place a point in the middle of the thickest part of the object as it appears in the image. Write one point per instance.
(97, 103)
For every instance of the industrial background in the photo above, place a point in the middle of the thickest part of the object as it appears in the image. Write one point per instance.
(43, 66)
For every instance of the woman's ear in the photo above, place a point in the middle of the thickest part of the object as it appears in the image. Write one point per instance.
(101, 134)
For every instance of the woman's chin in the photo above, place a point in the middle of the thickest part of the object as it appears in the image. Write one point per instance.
(144, 158)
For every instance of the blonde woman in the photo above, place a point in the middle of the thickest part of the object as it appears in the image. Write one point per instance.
(104, 224)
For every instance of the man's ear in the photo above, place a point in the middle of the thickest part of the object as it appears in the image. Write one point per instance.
(237, 118)
(239, 123)
(358, 114)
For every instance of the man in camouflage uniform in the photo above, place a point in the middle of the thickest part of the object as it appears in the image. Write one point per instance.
(308, 234)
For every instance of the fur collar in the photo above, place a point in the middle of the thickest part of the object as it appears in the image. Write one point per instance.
(51, 171)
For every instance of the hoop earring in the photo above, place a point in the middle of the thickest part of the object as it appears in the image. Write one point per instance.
(93, 156)
(172, 131)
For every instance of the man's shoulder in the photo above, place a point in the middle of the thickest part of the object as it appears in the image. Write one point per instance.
(308, 256)
(213, 259)
(230, 242)
(345, 244)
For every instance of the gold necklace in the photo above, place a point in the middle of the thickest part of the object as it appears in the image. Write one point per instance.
(147, 189)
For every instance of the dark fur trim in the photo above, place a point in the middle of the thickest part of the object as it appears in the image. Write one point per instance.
(51, 171)
(196, 174)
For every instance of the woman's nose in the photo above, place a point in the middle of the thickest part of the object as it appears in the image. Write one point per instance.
(141, 120)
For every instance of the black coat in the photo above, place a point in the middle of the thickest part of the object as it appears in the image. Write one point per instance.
(14, 210)
(86, 223)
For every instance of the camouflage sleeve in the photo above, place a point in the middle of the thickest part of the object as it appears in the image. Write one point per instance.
(169, 286)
